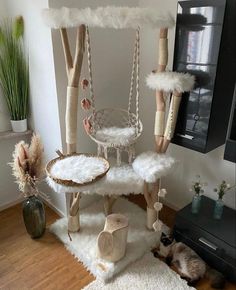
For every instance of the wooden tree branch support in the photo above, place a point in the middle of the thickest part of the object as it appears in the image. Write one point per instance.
(163, 133)
(111, 242)
(73, 69)
(108, 203)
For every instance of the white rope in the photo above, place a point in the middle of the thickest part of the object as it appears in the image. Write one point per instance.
(135, 70)
(137, 80)
(132, 76)
(90, 70)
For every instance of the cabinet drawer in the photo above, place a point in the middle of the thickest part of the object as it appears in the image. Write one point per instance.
(209, 255)
(206, 240)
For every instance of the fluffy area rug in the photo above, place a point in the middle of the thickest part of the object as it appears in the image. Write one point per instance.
(83, 245)
(147, 273)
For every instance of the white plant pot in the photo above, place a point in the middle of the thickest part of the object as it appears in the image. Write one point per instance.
(19, 125)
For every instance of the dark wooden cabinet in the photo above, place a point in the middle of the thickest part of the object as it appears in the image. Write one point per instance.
(214, 240)
(205, 46)
(230, 146)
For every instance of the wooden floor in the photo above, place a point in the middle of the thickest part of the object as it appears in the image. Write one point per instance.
(45, 263)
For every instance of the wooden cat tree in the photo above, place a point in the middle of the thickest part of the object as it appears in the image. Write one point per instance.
(174, 84)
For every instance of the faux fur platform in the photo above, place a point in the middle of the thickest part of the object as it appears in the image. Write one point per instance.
(150, 165)
(83, 244)
(170, 81)
(120, 180)
(147, 273)
(113, 17)
(115, 135)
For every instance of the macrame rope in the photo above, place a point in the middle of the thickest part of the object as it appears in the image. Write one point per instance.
(137, 80)
(89, 56)
(132, 76)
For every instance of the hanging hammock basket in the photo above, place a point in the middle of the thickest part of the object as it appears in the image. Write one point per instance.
(115, 127)
(74, 173)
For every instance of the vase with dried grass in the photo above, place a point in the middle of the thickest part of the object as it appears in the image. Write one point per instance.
(27, 168)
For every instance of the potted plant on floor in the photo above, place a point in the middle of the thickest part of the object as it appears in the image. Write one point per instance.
(27, 168)
(14, 72)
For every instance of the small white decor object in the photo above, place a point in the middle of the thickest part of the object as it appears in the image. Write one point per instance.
(111, 242)
(19, 126)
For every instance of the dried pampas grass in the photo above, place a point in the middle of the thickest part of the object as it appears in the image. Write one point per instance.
(27, 164)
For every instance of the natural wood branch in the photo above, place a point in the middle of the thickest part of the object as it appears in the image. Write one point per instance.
(78, 59)
(160, 100)
(108, 203)
(74, 208)
(66, 49)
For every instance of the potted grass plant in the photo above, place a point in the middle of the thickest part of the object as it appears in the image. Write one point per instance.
(14, 72)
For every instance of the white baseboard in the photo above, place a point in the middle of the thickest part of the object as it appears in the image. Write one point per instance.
(11, 203)
(52, 206)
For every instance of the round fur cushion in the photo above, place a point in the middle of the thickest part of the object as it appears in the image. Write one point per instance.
(170, 81)
(151, 166)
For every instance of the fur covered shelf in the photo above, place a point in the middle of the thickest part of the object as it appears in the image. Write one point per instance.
(112, 17)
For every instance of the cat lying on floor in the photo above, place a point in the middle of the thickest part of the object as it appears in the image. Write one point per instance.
(187, 263)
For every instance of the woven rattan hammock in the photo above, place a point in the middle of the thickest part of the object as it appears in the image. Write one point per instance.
(115, 127)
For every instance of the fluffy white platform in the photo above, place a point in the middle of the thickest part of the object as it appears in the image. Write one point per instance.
(150, 165)
(113, 17)
(119, 180)
(115, 135)
(83, 244)
(170, 81)
(80, 169)
(148, 273)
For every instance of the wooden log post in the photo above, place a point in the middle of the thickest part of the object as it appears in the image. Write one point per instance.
(111, 242)
(73, 69)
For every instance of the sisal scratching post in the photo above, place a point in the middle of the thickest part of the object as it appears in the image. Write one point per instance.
(111, 242)
(73, 69)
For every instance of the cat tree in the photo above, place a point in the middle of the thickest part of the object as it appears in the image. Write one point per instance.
(143, 175)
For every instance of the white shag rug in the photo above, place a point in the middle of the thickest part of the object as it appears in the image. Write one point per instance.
(115, 135)
(83, 244)
(147, 273)
(80, 169)
(119, 180)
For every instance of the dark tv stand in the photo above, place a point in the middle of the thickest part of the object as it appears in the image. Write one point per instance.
(214, 240)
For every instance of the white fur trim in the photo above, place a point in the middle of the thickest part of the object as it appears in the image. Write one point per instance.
(170, 81)
(150, 165)
(79, 169)
(118, 181)
(115, 135)
(113, 17)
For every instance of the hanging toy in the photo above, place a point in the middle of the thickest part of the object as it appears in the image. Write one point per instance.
(85, 104)
(84, 84)
(87, 125)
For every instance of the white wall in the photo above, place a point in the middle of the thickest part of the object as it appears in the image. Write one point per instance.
(44, 105)
(211, 166)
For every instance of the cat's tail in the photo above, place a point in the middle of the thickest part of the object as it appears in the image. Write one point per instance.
(216, 278)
